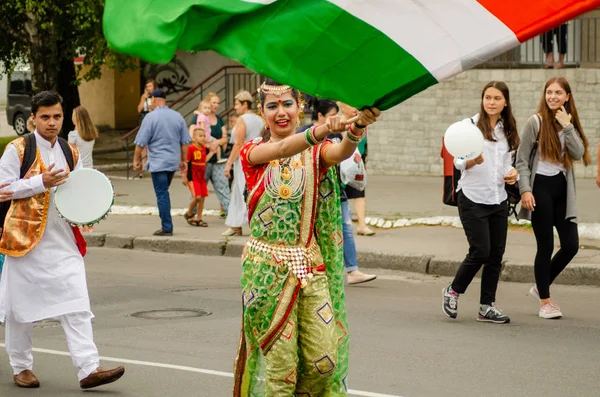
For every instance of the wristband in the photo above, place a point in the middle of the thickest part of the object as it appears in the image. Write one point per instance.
(359, 126)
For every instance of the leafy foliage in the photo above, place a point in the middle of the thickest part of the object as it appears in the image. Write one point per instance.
(48, 33)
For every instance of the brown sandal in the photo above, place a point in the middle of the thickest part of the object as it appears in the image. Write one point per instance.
(200, 223)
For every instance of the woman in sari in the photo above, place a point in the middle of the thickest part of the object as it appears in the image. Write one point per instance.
(294, 338)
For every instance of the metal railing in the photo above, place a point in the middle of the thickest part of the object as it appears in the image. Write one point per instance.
(226, 82)
(583, 48)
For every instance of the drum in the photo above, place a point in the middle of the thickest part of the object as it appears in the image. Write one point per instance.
(86, 198)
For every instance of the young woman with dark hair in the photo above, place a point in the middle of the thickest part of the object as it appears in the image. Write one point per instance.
(552, 141)
(482, 203)
(294, 338)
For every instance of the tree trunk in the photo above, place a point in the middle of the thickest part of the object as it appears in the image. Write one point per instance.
(69, 92)
(42, 55)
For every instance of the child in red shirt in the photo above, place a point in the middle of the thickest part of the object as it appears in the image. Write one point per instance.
(194, 179)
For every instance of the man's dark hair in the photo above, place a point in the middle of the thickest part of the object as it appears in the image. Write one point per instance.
(45, 98)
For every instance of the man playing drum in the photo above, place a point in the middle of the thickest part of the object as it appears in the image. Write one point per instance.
(44, 272)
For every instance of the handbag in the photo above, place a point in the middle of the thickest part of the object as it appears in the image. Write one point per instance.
(353, 172)
(513, 191)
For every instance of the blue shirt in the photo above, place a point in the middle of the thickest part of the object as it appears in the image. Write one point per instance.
(164, 132)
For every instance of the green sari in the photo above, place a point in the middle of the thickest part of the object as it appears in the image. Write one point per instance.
(294, 338)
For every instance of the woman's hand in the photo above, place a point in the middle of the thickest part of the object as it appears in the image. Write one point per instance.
(5, 195)
(563, 117)
(368, 116)
(528, 201)
(227, 171)
(476, 161)
(336, 124)
(511, 177)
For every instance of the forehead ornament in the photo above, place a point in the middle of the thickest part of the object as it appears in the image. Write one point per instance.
(277, 90)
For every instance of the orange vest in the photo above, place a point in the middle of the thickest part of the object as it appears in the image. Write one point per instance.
(26, 219)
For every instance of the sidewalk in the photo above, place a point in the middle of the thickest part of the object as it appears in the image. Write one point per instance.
(424, 249)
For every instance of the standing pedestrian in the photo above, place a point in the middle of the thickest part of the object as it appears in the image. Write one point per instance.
(145, 107)
(165, 135)
(322, 109)
(84, 136)
(194, 177)
(248, 127)
(483, 205)
(551, 142)
(44, 271)
(547, 40)
(215, 172)
(358, 196)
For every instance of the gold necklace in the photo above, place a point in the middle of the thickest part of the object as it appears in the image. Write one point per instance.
(286, 179)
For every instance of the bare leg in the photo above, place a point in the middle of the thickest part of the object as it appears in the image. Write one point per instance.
(549, 60)
(199, 207)
(360, 206)
(561, 62)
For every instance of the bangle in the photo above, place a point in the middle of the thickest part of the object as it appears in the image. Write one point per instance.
(359, 136)
(355, 138)
(309, 137)
(359, 126)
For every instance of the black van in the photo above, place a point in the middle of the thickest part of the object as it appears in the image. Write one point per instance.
(18, 104)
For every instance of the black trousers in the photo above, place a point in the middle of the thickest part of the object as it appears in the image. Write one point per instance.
(550, 193)
(547, 40)
(486, 227)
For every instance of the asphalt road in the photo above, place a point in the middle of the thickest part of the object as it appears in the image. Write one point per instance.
(402, 344)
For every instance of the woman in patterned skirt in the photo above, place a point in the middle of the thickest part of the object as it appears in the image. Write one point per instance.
(294, 338)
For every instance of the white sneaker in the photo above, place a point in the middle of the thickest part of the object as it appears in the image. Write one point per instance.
(550, 310)
(533, 291)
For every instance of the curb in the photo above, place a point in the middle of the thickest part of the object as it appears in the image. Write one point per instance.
(575, 274)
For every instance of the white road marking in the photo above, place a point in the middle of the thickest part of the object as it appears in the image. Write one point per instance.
(188, 369)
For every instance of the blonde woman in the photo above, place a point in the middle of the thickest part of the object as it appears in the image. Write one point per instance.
(84, 136)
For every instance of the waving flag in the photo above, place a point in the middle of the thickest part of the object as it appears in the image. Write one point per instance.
(362, 52)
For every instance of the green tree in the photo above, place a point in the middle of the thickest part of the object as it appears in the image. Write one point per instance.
(48, 35)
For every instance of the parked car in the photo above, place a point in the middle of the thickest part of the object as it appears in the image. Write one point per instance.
(18, 104)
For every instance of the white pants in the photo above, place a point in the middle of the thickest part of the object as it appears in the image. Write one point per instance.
(80, 340)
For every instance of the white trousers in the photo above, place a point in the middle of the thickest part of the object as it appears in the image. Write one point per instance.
(80, 340)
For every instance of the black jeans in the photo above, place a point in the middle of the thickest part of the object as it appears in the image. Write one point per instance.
(550, 193)
(486, 227)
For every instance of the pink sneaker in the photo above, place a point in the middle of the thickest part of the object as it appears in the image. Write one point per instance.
(550, 310)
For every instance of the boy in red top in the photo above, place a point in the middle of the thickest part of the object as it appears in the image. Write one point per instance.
(194, 179)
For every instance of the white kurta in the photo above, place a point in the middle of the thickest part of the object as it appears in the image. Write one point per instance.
(50, 280)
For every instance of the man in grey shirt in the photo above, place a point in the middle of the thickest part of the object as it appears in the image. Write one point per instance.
(165, 134)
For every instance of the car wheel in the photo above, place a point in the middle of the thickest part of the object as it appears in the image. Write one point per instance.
(20, 124)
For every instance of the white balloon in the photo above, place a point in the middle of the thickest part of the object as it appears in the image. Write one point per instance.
(464, 140)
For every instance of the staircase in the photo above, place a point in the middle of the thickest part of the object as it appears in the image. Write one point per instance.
(225, 82)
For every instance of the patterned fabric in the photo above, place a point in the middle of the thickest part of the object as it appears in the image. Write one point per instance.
(26, 219)
(294, 340)
(216, 174)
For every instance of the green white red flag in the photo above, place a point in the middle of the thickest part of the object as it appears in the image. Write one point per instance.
(362, 52)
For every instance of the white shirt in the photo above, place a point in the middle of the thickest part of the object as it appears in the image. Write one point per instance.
(85, 148)
(548, 168)
(484, 183)
(48, 281)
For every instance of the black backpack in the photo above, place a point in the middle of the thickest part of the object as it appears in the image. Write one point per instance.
(28, 159)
